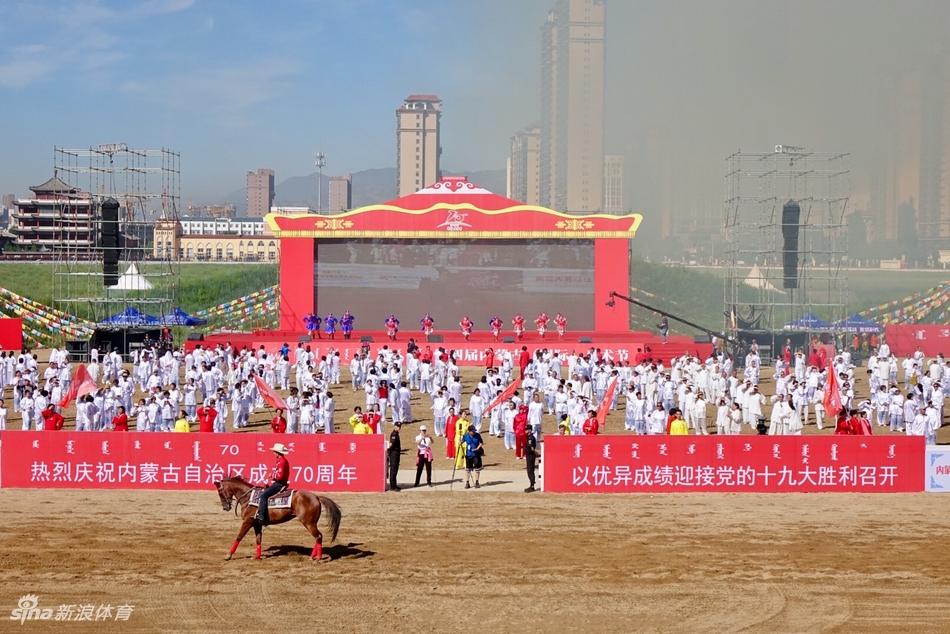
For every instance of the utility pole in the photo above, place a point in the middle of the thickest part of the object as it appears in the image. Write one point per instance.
(320, 161)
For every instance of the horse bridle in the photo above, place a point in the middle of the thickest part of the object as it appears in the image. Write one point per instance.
(238, 498)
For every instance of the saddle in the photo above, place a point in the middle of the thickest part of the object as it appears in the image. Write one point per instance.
(280, 500)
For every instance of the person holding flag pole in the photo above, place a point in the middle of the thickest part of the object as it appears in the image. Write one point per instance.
(605, 403)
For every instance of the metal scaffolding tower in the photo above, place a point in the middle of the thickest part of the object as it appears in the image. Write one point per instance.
(758, 295)
(146, 185)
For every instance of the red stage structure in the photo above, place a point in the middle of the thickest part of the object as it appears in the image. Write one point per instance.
(451, 210)
(456, 249)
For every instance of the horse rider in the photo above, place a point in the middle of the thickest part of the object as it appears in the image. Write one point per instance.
(279, 477)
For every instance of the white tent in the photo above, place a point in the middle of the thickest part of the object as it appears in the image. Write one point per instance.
(132, 280)
(756, 279)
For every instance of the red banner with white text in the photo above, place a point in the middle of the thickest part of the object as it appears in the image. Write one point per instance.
(141, 460)
(733, 464)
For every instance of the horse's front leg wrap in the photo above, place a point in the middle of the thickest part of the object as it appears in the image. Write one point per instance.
(257, 551)
(317, 552)
(234, 547)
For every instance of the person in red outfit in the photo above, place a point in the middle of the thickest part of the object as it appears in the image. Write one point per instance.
(496, 324)
(561, 322)
(53, 420)
(863, 427)
(591, 426)
(518, 323)
(373, 418)
(466, 325)
(490, 358)
(120, 422)
(451, 442)
(206, 417)
(521, 431)
(541, 323)
(278, 423)
(280, 476)
(843, 424)
(523, 359)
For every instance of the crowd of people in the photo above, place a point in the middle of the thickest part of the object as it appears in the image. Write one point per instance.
(164, 391)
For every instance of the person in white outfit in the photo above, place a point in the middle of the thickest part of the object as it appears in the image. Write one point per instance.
(780, 413)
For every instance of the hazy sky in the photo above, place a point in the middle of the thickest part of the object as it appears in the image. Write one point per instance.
(235, 85)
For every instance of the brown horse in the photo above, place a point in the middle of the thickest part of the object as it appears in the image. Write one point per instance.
(304, 505)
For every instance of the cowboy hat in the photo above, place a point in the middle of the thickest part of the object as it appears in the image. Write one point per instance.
(280, 448)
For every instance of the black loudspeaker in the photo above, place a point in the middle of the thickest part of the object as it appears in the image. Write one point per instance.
(702, 339)
(434, 338)
(584, 340)
(791, 215)
(109, 241)
(508, 340)
(366, 339)
(196, 336)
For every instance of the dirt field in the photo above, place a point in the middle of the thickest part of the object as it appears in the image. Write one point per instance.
(482, 561)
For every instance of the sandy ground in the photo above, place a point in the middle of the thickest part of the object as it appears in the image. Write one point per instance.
(488, 561)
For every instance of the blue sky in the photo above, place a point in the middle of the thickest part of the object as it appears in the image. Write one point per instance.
(237, 85)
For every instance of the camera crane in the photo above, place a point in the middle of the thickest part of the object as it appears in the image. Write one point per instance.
(712, 333)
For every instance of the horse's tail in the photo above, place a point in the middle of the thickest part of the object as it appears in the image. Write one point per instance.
(334, 515)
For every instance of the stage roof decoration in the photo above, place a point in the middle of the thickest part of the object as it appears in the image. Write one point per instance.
(454, 208)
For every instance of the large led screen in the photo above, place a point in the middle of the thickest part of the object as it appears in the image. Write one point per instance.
(453, 278)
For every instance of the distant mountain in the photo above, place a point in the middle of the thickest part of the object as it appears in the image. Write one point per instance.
(369, 186)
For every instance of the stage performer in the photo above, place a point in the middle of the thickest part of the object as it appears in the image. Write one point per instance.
(466, 325)
(542, 323)
(346, 322)
(496, 324)
(312, 322)
(392, 326)
(561, 322)
(518, 323)
(279, 478)
(427, 323)
(330, 326)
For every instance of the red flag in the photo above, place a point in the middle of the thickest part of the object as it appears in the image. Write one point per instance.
(832, 401)
(604, 406)
(504, 396)
(81, 385)
(270, 396)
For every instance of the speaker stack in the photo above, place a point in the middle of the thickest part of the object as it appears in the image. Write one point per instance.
(109, 241)
(791, 216)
